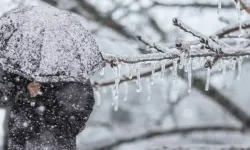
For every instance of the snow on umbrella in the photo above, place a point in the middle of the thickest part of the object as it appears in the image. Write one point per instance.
(45, 44)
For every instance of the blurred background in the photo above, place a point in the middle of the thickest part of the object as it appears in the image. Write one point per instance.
(163, 114)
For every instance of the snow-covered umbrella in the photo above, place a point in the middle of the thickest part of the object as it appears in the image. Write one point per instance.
(45, 44)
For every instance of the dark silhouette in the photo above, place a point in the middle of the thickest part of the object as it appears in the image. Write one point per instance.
(51, 120)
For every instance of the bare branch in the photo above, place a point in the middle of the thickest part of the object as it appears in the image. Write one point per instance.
(193, 5)
(149, 44)
(155, 133)
(232, 28)
(116, 59)
(245, 6)
(107, 21)
(223, 101)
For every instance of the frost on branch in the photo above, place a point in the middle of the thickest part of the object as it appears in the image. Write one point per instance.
(208, 52)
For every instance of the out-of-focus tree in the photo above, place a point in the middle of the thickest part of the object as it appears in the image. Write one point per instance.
(141, 25)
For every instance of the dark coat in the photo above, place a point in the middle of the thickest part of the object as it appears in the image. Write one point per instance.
(49, 121)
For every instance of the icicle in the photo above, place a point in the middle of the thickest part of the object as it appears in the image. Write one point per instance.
(149, 90)
(182, 60)
(163, 68)
(233, 64)
(115, 102)
(208, 79)
(238, 9)
(97, 97)
(131, 68)
(153, 65)
(195, 63)
(125, 92)
(175, 69)
(220, 65)
(102, 71)
(239, 64)
(189, 70)
(138, 81)
(117, 71)
(219, 7)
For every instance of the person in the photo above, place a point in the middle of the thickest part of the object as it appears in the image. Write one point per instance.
(48, 120)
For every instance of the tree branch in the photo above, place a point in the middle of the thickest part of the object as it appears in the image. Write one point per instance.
(245, 6)
(193, 5)
(96, 15)
(116, 59)
(232, 28)
(223, 101)
(155, 133)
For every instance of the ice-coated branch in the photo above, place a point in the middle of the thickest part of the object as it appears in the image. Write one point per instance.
(114, 60)
(150, 45)
(168, 132)
(193, 5)
(208, 41)
(232, 28)
(127, 78)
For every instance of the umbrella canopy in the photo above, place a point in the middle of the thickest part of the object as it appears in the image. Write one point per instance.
(45, 44)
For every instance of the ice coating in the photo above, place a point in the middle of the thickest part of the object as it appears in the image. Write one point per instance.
(46, 44)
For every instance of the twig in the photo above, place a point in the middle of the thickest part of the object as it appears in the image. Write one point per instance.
(150, 45)
(223, 101)
(193, 5)
(203, 39)
(107, 21)
(232, 28)
(245, 6)
(155, 133)
(115, 59)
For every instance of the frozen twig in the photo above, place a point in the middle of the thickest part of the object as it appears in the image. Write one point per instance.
(150, 45)
(193, 5)
(116, 59)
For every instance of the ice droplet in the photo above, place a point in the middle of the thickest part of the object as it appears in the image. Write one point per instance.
(208, 79)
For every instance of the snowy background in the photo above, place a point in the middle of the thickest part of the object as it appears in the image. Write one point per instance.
(164, 105)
